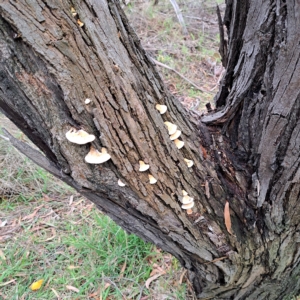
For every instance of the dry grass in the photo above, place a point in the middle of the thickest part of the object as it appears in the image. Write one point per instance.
(194, 55)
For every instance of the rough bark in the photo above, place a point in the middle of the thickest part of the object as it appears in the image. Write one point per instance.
(246, 153)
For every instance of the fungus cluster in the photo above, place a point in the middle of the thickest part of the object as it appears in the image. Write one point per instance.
(81, 137)
(144, 167)
(74, 14)
(174, 134)
(187, 202)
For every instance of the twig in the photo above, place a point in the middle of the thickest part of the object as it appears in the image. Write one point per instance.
(4, 137)
(179, 16)
(179, 74)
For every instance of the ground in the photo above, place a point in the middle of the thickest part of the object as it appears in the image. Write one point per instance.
(49, 232)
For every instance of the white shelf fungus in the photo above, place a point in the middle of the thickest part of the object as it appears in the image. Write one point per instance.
(80, 23)
(161, 108)
(120, 183)
(96, 157)
(176, 135)
(171, 127)
(143, 166)
(184, 193)
(189, 163)
(80, 137)
(179, 144)
(187, 200)
(73, 12)
(152, 180)
(188, 206)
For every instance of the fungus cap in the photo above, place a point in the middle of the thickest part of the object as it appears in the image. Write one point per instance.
(171, 127)
(73, 12)
(179, 144)
(189, 163)
(87, 101)
(120, 183)
(188, 206)
(161, 108)
(187, 200)
(80, 137)
(175, 135)
(184, 193)
(80, 23)
(143, 167)
(96, 157)
(152, 180)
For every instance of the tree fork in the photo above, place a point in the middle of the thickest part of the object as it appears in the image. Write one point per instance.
(51, 61)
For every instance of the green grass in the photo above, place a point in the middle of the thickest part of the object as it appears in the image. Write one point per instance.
(87, 251)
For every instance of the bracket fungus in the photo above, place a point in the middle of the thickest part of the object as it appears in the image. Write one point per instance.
(80, 137)
(80, 23)
(189, 163)
(187, 199)
(161, 108)
(184, 193)
(188, 206)
(179, 144)
(87, 101)
(171, 127)
(120, 183)
(73, 12)
(96, 157)
(175, 135)
(143, 167)
(152, 180)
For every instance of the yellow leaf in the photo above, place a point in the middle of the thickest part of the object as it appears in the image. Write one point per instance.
(227, 217)
(37, 285)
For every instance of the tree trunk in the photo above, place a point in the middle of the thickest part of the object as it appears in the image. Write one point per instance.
(246, 153)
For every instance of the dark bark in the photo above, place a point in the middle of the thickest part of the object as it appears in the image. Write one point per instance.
(246, 153)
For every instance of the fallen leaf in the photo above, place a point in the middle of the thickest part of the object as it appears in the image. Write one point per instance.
(227, 217)
(8, 282)
(181, 276)
(55, 293)
(72, 288)
(37, 285)
(216, 259)
(203, 151)
(73, 267)
(107, 285)
(31, 216)
(2, 224)
(4, 238)
(149, 280)
(71, 200)
(122, 270)
(93, 295)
